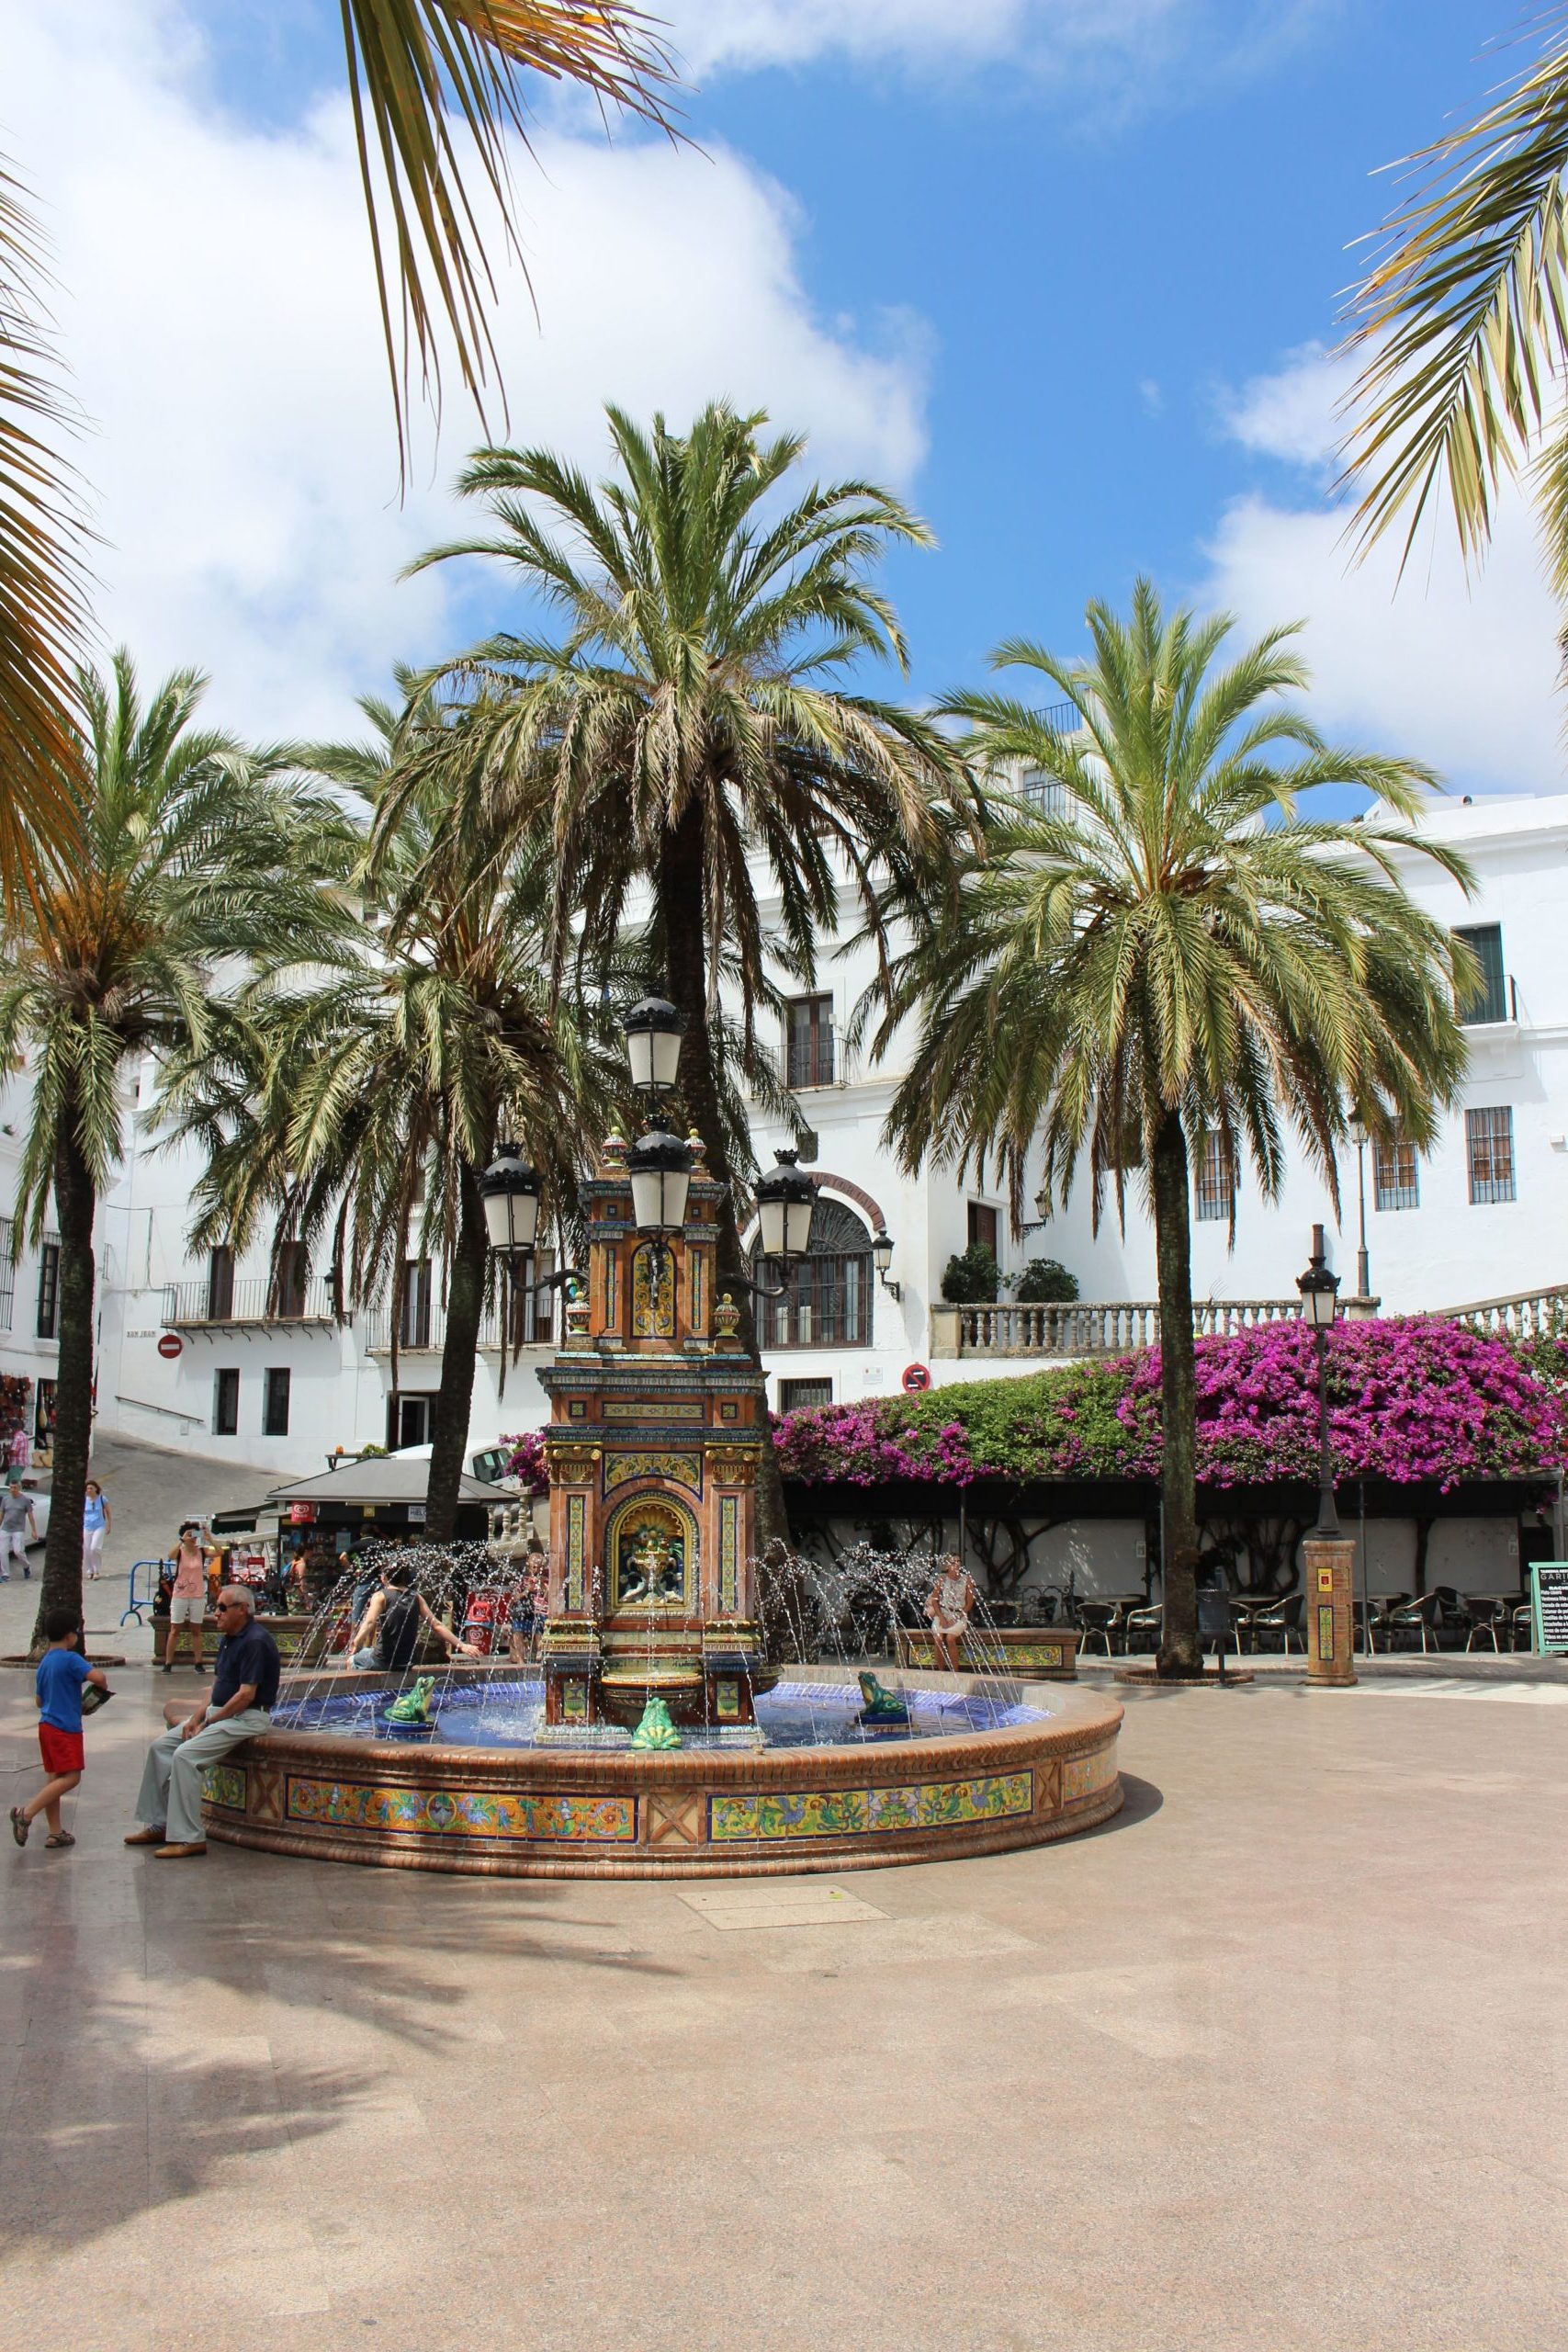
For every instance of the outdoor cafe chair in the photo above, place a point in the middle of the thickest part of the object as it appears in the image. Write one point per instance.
(1282, 1616)
(1522, 1624)
(1106, 1620)
(1146, 1618)
(1417, 1616)
(1486, 1610)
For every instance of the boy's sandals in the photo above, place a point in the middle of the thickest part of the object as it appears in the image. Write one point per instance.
(20, 1825)
(63, 1838)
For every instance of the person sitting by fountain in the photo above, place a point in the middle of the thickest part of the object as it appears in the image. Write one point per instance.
(953, 1598)
(528, 1602)
(388, 1635)
(245, 1689)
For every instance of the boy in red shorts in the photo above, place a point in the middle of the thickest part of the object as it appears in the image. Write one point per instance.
(61, 1671)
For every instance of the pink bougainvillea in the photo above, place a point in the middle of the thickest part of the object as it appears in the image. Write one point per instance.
(1411, 1400)
(527, 1461)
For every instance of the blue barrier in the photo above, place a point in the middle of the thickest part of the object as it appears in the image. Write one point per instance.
(136, 1603)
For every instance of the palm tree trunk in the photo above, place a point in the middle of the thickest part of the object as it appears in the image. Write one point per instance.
(680, 883)
(1178, 1651)
(75, 1204)
(460, 1353)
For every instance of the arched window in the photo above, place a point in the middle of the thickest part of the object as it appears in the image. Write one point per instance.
(826, 1303)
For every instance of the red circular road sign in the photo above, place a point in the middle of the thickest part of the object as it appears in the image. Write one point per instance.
(170, 1344)
(916, 1377)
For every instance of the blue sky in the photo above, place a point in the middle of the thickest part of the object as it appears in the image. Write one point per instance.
(1062, 271)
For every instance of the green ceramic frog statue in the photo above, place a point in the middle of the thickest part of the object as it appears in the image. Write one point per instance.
(656, 1730)
(881, 1706)
(414, 1707)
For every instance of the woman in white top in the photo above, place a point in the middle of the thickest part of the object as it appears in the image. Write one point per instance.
(952, 1599)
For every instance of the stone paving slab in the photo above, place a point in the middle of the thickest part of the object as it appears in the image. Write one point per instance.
(1278, 2059)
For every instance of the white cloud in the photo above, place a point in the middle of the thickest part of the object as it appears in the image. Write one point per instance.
(1461, 672)
(218, 310)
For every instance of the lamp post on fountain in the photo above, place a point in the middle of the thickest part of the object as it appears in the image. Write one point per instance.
(1328, 1558)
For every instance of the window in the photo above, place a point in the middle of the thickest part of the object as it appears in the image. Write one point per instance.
(274, 1402)
(7, 1272)
(827, 1300)
(291, 1280)
(1214, 1188)
(226, 1402)
(408, 1420)
(1395, 1181)
(1490, 1002)
(796, 1395)
(413, 1330)
(1044, 795)
(220, 1285)
(49, 1291)
(1489, 1146)
(537, 1306)
(982, 1226)
(808, 1041)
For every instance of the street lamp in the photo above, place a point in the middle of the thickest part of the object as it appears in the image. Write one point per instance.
(1319, 1291)
(510, 1191)
(653, 1033)
(660, 1166)
(787, 1201)
(1357, 1132)
(881, 1257)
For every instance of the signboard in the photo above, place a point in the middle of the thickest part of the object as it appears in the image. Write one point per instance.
(171, 1344)
(301, 1514)
(416, 1514)
(1549, 1604)
(916, 1377)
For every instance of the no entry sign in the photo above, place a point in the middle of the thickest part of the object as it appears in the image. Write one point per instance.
(916, 1377)
(170, 1344)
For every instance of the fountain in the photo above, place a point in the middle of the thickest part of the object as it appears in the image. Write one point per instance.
(655, 1734)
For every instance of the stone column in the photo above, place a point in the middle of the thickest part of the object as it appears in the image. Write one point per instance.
(1330, 1624)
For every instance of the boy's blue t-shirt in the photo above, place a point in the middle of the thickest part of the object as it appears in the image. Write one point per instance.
(60, 1674)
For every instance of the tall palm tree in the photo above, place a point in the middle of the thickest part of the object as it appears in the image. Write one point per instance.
(420, 71)
(689, 726)
(185, 856)
(1462, 322)
(360, 1086)
(1174, 955)
(41, 583)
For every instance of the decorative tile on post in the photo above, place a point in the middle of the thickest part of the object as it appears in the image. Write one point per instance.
(1329, 1624)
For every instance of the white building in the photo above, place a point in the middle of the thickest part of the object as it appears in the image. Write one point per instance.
(1481, 1216)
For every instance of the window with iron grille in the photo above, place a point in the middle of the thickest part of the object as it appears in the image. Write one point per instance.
(1044, 795)
(274, 1402)
(808, 1041)
(220, 1285)
(226, 1402)
(795, 1396)
(1490, 1001)
(413, 1328)
(1396, 1183)
(1489, 1144)
(49, 1290)
(827, 1300)
(1214, 1188)
(7, 1274)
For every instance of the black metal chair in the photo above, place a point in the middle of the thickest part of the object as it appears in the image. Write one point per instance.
(1487, 1612)
(1419, 1616)
(1283, 1617)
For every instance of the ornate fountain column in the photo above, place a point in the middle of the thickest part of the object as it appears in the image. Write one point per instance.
(656, 1414)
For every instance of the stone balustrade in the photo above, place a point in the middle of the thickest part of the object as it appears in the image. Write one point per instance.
(1089, 1327)
(1532, 1315)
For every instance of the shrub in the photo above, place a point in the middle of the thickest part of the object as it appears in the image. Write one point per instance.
(1045, 1281)
(973, 1279)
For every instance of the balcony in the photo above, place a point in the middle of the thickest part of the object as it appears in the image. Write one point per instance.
(425, 1333)
(1090, 1327)
(214, 1306)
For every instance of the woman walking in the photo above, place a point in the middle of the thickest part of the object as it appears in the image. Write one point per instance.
(96, 1524)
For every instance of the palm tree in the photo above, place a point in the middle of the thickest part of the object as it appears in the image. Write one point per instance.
(1462, 321)
(41, 576)
(361, 1085)
(689, 727)
(185, 856)
(1173, 959)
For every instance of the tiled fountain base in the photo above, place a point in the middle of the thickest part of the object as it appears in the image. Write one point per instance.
(530, 1813)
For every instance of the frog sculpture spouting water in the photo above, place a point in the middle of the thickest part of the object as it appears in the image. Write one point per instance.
(882, 1706)
(414, 1706)
(656, 1730)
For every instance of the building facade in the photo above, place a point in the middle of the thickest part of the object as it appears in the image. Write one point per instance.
(206, 1354)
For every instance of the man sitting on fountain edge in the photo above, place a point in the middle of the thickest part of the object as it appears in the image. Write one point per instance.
(244, 1687)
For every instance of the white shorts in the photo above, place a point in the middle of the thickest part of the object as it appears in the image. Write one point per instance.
(186, 1611)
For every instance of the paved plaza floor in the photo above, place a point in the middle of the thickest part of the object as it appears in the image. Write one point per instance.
(1278, 2059)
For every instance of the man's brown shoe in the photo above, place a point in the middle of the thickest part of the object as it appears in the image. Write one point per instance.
(178, 1853)
(146, 1836)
